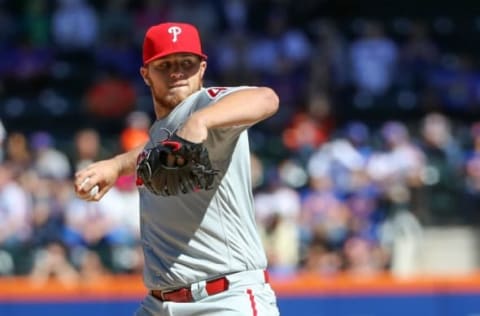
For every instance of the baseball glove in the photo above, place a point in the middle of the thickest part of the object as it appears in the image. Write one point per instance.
(175, 166)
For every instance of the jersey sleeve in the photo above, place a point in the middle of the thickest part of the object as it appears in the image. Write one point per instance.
(221, 141)
(214, 94)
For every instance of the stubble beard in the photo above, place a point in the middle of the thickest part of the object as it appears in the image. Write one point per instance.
(170, 101)
(164, 104)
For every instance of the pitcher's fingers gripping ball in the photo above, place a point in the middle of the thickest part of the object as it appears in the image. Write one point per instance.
(93, 191)
(175, 166)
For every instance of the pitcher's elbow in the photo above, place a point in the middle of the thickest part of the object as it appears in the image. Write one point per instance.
(272, 100)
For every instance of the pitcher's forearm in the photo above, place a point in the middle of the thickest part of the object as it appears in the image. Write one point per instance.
(127, 161)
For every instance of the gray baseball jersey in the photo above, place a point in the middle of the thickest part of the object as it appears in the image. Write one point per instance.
(201, 235)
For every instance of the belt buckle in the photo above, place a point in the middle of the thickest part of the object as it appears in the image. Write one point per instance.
(198, 290)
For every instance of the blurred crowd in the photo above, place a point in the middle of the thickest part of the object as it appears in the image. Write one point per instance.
(375, 139)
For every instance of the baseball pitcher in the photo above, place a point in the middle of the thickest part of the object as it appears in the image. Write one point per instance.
(203, 255)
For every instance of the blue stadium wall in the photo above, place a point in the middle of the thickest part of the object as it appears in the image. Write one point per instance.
(414, 305)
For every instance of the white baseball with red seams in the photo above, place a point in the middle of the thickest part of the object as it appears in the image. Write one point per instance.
(190, 238)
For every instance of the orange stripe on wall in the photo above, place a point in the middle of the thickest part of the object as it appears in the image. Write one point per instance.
(119, 287)
(379, 284)
(128, 287)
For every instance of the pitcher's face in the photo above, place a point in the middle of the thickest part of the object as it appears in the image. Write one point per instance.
(172, 79)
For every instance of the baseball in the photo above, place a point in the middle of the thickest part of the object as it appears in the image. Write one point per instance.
(94, 191)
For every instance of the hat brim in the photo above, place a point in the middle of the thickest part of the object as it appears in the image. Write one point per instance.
(171, 53)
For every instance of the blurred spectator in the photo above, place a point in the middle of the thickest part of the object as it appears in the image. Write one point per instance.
(364, 257)
(74, 25)
(136, 130)
(99, 226)
(400, 235)
(126, 192)
(343, 159)
(87, 148)
(323, 214)
(18, 150)
(110, 97)
(321, 258)
(442, 182)
(373, 56)
(292, 173)
(126, 251)
(310, 128)
(471, 170)
(358, 134)
(277, 211)
(304, 134)
(48, 161)
(366, 211)
(52, 262)
(91, 268)
(399, 161)
(15, 218)
(46, 210)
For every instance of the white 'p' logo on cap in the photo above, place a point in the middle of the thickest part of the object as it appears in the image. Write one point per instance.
(175, 31)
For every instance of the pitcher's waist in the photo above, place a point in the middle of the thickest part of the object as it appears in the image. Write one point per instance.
(202, 289)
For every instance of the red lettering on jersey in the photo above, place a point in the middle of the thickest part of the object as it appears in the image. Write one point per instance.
(215, 91)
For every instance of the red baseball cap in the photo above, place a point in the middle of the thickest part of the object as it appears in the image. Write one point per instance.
(170, 38)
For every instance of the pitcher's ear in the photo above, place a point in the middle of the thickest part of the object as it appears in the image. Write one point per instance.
(203, 66)
(144, 74)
